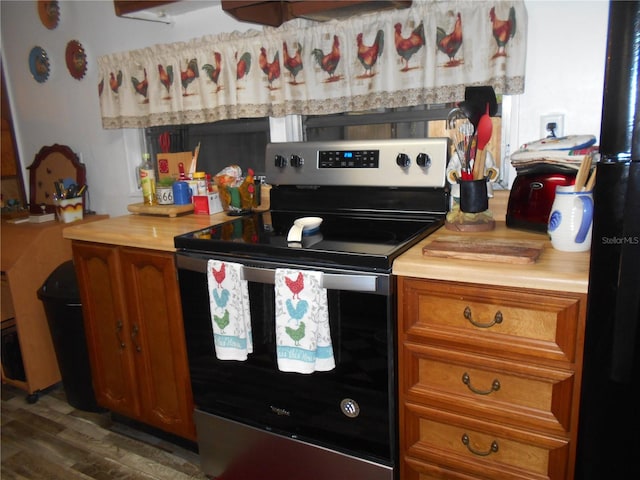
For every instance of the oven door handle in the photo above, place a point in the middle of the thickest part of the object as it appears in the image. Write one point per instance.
(353, 282)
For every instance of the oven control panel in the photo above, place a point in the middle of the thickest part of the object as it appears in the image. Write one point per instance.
(348, 159)
(394, 163)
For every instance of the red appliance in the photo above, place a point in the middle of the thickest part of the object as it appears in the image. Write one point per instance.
(531, 198)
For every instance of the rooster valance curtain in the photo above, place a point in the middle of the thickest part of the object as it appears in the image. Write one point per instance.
(425, 54)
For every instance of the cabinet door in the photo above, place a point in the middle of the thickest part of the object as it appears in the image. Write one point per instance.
(111, 350)
(157, 335)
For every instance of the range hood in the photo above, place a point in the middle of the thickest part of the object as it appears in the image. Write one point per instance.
(275, 13)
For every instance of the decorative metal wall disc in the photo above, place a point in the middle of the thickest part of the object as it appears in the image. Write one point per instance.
(39, 64)
(49, 12)
(76, 59)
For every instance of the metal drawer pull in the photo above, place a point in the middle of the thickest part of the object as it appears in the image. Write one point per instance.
(466, 442)
(495, 386)
(118, 334)
(134, 336)
(496, 319)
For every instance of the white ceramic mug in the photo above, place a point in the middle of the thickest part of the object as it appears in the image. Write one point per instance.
(571, 219)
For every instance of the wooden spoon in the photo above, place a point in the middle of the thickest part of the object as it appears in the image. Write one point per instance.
(485, 129)
(583, 173)
(592, 181)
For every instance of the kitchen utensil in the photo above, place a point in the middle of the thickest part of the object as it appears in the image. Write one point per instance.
(165, 142)
(461, 132)
(303, 226)
(484, 249)
(591, 182)
(484, 131)
(583, 173)
(467, 173)
(475, 102)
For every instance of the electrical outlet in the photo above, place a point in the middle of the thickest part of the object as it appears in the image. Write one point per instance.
(547, 120)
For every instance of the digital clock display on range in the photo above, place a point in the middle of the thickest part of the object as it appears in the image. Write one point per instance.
(348, 158)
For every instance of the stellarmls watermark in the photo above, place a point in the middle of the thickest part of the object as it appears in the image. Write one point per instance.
(629, 240)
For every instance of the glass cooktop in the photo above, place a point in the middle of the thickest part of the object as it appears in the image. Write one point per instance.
(365, 242)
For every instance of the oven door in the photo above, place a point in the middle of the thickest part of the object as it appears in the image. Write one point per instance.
(350, 409)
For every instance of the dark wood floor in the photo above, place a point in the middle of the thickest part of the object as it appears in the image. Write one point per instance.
(52, 440)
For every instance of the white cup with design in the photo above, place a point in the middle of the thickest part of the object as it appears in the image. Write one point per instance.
(571, 220)
(164, 194)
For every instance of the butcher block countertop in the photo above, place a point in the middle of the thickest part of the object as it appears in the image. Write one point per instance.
(143, 231)
(551, 270)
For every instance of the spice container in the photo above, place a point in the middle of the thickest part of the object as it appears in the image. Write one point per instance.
(201, 183)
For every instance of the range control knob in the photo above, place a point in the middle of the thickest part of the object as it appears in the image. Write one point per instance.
(423, 160)
(280, 161)
(403, 160)
(296, 161)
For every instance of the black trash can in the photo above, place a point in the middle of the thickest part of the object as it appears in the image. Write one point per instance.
(61, 299)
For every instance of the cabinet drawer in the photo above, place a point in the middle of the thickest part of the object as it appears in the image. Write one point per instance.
(506, 391)
(480, 448)
(501, 321)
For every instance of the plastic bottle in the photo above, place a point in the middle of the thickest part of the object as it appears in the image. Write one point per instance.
(147, 177)
(201, 182)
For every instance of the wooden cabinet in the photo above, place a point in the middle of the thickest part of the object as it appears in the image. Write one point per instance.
(30, 252)
(135, 336)
(275, 13)
(489, 380)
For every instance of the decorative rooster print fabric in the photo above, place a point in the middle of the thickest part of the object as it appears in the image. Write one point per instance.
(427, 53)
(230, 314)
(303, 337)
(409, 46)
(270, 69)
(368, 55)
(292, 62)
(329, 62)
(450, 43)
(503, 30)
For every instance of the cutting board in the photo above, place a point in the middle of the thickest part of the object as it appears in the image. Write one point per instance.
(484, 249)
(165, 210)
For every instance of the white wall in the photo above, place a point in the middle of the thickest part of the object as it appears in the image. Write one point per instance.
(565, 72)
(65, 110)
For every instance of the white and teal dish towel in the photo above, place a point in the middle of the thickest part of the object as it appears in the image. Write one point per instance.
(230, 313)
(303, 337)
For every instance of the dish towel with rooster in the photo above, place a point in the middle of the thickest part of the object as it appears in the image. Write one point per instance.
(303, 338)
(230, 314)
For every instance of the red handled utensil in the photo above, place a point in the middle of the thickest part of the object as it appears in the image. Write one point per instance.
(165, 142)
(485, 129)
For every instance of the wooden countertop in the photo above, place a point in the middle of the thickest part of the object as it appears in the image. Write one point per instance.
(553, 270)
(18, 239)
(153, 232)
(142, 231)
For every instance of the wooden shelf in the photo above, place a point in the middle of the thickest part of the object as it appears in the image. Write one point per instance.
(276, 13)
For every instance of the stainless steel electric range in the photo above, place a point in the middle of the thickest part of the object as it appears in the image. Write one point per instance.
(366, 203)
